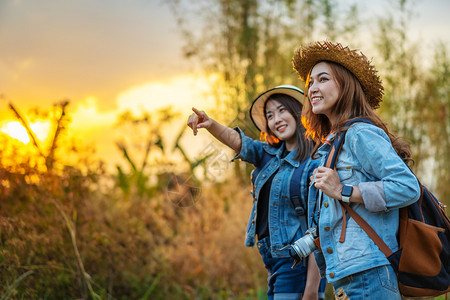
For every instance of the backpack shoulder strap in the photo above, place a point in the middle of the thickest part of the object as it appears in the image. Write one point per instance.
(295, 194)
(339, 141)
(295, 185)
(331, 163)
(295, 188)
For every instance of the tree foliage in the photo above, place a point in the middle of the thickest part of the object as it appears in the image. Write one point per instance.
(249, 44)
(416, 102)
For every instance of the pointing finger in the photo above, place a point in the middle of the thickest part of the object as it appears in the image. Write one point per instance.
(197, 112)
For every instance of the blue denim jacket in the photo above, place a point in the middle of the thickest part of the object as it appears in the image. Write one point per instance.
(284, 223)
(367, 160)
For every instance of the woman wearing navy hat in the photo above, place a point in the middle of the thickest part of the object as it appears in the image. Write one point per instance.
(280, 187)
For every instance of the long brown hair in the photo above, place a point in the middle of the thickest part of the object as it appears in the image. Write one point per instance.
(304, 146)
(352, 103)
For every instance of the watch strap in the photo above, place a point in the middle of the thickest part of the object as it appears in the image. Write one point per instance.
(345, 199)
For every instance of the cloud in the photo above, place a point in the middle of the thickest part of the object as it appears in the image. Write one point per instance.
(56, 49)
(182, 93)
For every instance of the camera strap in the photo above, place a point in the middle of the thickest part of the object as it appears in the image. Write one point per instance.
(316, 210)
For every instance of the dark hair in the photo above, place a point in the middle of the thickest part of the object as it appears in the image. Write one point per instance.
(352, 103)
(304, 146)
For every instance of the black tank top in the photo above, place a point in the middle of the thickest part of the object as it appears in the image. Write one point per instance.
(262, 218)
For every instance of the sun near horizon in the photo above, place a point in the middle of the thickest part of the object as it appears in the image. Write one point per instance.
(17, 131)
(91, 125)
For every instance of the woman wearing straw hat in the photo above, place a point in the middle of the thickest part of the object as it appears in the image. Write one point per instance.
(283, 168)
(370, 174)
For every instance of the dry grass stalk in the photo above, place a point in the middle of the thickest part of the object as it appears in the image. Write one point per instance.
(85, 277)
(25, 124)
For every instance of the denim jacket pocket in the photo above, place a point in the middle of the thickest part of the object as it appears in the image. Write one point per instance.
(355, 245)
(345, 173)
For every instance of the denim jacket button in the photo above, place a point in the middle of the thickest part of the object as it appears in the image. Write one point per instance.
(327, 228)
(331, 275)
(329, 250)
(325, 204)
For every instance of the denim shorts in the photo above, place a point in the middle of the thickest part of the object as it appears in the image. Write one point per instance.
(376, 283)
(284, 282)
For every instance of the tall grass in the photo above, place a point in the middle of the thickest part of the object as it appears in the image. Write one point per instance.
(64, 236)
(71, 231)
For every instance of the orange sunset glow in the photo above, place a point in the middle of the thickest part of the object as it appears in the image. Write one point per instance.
(16, 130)
(104, 59)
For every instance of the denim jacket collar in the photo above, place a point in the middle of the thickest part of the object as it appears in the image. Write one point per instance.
(278, 153)
(324, 149)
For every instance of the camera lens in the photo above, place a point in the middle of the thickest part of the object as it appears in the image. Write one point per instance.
(305, 246)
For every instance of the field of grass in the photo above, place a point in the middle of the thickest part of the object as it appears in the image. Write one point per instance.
(76, 231)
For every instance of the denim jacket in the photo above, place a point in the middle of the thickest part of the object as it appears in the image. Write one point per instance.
(367, 160)
(284, 222)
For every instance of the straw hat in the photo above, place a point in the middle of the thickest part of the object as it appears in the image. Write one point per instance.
(355, 61)
(257, 113)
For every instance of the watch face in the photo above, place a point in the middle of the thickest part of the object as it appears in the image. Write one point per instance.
(347, 190)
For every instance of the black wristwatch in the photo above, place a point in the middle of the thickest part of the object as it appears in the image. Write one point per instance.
(346, 193)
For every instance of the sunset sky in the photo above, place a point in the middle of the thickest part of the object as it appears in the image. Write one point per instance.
(107, 56)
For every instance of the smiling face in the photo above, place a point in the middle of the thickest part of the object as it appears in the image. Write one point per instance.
(281, 123)
(323, 90)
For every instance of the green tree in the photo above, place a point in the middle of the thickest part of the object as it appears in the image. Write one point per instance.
(247, 46)
(147, 139)
(146, 173)
(434, 116)
(416, 101)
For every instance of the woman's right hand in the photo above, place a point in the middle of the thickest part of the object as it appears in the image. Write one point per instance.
(199, 119)
(225, 134)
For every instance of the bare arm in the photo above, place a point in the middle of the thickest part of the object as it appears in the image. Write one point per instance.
(312, 279)
(226, 135)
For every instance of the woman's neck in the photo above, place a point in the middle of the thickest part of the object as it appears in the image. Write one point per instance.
(290, 145)
(332, 119)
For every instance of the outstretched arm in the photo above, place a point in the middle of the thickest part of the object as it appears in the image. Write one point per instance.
(225, 134)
